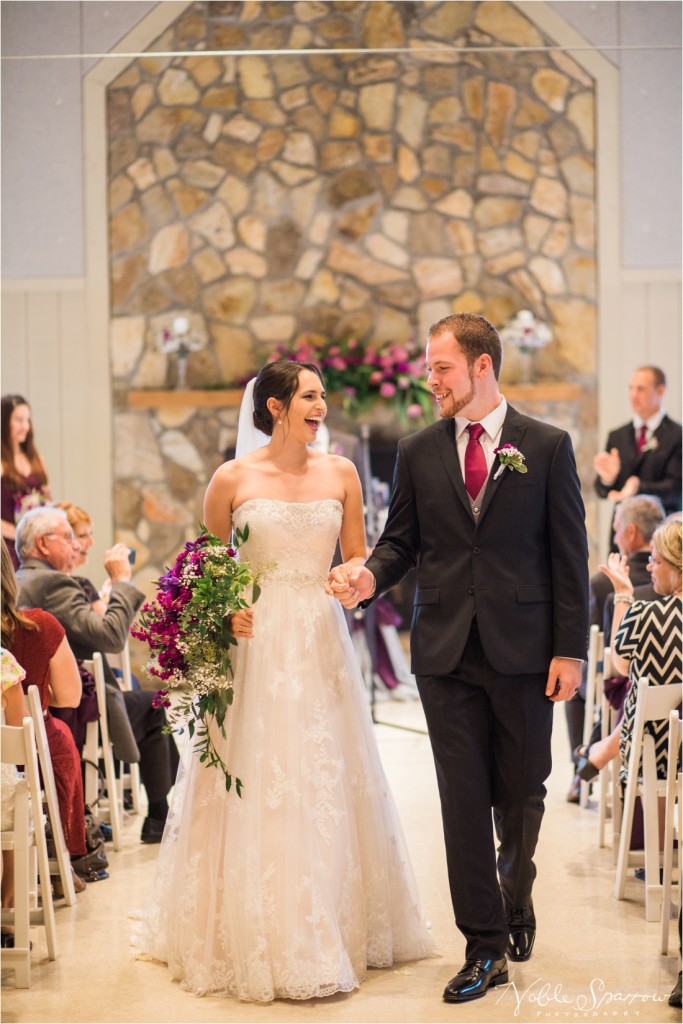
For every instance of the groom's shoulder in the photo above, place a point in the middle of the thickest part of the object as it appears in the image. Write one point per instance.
(539, 428)
(425, 435)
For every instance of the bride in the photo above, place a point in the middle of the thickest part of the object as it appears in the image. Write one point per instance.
(295, 889)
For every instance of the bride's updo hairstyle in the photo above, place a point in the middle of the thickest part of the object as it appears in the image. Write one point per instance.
(279, 380)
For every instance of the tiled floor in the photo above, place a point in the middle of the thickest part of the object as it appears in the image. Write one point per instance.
(595, 958)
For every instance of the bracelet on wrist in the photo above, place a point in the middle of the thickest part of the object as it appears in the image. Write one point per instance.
(626, 598)
(374, 588)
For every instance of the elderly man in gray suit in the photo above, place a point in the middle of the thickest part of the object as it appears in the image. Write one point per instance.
(45, 544)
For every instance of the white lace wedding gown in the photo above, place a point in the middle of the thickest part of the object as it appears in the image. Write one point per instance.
(295, 889)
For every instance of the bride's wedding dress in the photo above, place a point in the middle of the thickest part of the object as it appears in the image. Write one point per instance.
(295, 889)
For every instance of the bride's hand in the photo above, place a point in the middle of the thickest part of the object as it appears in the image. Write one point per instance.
(242, 624)
(337, 585)
(618, 573)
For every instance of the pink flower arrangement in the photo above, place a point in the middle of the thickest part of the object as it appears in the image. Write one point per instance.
(186, 629)
(364, 373)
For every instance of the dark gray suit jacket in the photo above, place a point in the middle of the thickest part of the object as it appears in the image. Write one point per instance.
(522, 568)
(41, 586)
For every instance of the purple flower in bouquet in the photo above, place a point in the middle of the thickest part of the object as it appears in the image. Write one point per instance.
(187, 632)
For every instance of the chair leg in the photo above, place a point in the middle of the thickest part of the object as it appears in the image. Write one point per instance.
(113, 791)
(21, 954)
(653, 889)
(625, 835)
(48, 910)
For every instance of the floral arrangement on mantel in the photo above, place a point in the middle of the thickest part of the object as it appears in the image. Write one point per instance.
(364, 373)
(525, 332)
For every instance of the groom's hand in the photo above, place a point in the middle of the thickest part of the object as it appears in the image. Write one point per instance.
(564, 679)
(350, 584)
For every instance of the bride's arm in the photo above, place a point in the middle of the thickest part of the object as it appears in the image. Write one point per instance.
(218, 501)
(352, 535)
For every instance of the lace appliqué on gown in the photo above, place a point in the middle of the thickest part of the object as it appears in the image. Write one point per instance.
(296, 889)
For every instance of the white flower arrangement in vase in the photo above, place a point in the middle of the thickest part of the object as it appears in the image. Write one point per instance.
(180, 340)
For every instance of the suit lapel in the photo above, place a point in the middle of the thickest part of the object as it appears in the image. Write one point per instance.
(512, 433)
(445, 443)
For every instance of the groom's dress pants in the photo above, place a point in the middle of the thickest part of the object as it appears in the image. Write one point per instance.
(490, 736)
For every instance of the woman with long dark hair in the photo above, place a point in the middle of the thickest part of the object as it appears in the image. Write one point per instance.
(24, 477)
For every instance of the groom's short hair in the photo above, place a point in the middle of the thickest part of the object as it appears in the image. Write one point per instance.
(475, 335)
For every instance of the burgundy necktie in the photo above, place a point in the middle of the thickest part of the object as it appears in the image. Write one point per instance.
(641, 440)
(476, 470)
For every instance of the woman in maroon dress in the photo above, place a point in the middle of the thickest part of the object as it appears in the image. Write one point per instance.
(24, 479)
(39, 644)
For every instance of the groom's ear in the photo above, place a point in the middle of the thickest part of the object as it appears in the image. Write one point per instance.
(483, 364)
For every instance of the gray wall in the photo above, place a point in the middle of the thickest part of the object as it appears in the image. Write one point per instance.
(42, 224)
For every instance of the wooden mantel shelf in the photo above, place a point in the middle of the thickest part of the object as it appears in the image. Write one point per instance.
(174, 398)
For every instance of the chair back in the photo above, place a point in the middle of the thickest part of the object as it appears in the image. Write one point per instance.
(62, 864)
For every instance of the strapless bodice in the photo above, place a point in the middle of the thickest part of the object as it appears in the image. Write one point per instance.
(290, 542)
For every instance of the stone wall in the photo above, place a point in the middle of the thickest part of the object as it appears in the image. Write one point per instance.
(362, 194)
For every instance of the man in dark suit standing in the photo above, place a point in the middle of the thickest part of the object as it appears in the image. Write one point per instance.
(486, 503)
(643, 456)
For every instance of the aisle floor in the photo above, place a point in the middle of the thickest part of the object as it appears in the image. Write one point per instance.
(595, 958)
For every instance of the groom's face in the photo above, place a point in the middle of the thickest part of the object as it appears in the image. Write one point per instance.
(449, 376)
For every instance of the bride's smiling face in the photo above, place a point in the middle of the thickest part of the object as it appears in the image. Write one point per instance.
(308, 408)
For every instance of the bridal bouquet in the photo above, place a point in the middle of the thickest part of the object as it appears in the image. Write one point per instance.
(187, 632)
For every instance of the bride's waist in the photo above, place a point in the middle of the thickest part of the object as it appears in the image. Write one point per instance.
(295, 578)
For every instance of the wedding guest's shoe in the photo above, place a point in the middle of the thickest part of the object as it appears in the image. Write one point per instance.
(522, 927)
(152, 830)
(574, 792)
(475, 977)
(675, 997)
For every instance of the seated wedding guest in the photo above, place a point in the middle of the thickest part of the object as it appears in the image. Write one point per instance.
(12, 713)
(643, 456)
(635, 521)
(81, 524)
(646, 641)
(24, 479)
(37, 641)
(46, 546)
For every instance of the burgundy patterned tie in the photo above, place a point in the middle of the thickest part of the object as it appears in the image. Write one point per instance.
(641, 440)
(475, 461)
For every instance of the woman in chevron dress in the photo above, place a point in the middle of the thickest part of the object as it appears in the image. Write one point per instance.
(646, 641)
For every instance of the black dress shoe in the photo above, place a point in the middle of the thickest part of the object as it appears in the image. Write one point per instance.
(152, 830)
(675, 997)
(475, 977)
(522, 927)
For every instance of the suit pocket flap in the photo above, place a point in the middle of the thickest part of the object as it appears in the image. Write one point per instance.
(533, 594)
(428, 595)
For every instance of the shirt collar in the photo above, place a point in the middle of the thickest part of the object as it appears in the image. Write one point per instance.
(652, 423)
(492, 422)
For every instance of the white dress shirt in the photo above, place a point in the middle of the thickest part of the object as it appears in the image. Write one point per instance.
(490, 439)
(651, 423)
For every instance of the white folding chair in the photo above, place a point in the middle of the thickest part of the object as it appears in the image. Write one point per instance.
(62, 861)
(95, 748)
(673, 826)
(609, 796)
(130, 779)
(593, 674)
(654, 703)
(31, 867)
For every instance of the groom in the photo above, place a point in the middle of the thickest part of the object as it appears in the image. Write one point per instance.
(499, 628)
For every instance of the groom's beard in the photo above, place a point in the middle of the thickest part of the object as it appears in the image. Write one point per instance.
(455, 405)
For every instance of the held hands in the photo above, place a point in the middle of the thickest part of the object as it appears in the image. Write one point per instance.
(242, 623)
(116, 563)
(564, 679)
(350, 584)
(618, 573)
(607, 465)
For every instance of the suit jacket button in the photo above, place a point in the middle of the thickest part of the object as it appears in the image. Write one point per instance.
(471, 590)
(476, 551)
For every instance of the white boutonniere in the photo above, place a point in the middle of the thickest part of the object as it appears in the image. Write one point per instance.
(651, 446)
(510, 458)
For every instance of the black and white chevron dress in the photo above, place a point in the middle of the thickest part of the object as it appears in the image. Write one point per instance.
(650, 636)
